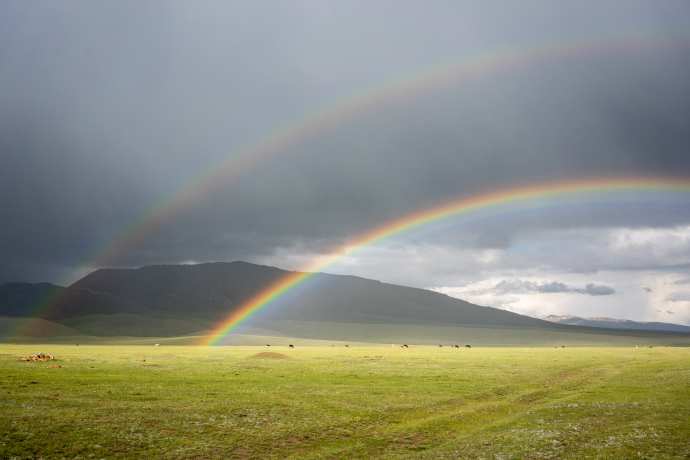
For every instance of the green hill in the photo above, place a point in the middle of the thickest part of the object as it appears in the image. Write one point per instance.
(125, 324)
(34, 327)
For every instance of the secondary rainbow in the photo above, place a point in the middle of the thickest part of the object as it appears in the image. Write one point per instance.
(482, 206)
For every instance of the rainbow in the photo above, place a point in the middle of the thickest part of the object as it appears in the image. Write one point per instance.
(349, 107)
(237, 163)
(470, 209)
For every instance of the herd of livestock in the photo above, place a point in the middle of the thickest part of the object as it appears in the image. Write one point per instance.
(348, 346)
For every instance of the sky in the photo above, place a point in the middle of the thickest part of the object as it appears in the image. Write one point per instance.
(108, 110)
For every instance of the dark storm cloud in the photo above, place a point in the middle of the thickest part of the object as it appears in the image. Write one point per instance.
(517, 286)
(108, 108)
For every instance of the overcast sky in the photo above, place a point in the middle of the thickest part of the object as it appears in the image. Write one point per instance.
(108, 108)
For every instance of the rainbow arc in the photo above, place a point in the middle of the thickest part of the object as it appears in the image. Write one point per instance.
(466, 210)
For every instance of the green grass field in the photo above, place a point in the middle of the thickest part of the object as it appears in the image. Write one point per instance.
(332, 402)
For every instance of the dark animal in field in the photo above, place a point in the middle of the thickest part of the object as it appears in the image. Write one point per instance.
(467, 346)
(405, 346)
(456, 346)
(291, 346)
(346, 346)
(440, 346)
(562, 346)
(267, 345)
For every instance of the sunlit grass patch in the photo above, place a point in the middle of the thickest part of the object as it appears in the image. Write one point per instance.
(328, 402)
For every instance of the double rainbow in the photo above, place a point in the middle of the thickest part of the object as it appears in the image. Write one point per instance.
(241, 161)
(466, 210)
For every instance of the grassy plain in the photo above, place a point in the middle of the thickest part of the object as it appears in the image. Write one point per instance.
(333, 402)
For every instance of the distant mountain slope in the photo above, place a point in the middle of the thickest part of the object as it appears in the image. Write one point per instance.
(19, 299)
(204, 287)
(215, 289)
(615, 323)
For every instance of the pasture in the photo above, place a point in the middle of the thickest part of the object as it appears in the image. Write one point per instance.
(132, 402)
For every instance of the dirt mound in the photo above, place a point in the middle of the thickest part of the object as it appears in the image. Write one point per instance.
(38, 357)
(268, 355)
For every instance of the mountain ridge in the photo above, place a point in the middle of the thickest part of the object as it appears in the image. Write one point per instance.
(615, 323)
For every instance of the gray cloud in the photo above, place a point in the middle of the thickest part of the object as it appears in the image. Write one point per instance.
(518, 286)
(553, 286)
(592, 289)
(678, 296)
(682, 281)
(647, 289)
(670, 312)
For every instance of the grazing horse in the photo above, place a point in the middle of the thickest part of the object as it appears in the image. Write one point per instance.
(158, 345)
(291, 346)
(467, 346)
(456, 346)
(440, 346)
(405, 346)
(346, 346)
(267, 345)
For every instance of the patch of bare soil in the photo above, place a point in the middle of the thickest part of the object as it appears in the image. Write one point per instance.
(269, 355)
(38, 357)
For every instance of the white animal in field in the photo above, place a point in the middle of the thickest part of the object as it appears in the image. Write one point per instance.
(158, 344)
